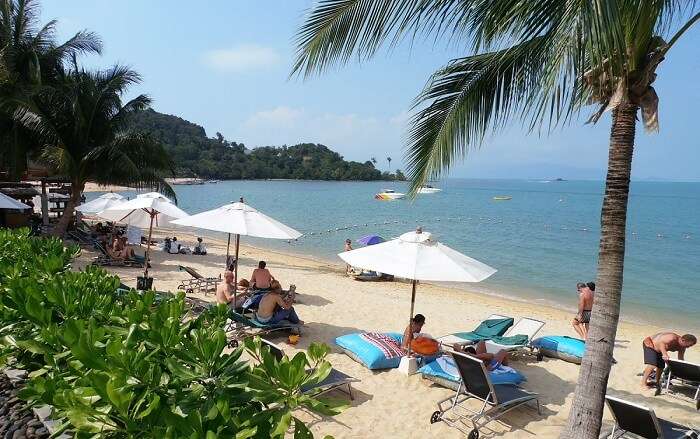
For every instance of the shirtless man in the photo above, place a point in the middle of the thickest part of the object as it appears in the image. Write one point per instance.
(585, 304)
(261, 277)
(656, 349)
(274, 307)
(492, 361)
(224, 292)
(347, 248)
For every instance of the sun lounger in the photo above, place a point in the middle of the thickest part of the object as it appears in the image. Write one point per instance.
(334, 380)
(495, 324)
(685, 374)
(517, 338)
(105, 259)
(197, 283)
(642, 422)
(240, 326)
(496, 399)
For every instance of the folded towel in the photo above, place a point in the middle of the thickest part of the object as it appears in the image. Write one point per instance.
(389, 347)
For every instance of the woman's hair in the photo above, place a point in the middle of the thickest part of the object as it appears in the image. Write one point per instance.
(419, 318)
(274, 285)
(470, 349)
(244, 283)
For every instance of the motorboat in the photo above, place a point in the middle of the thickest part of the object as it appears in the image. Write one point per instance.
(502, 198)
(429, 190)
(389, 194)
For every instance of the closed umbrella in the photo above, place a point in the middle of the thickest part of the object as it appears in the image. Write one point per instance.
(239, 219)
(416, 256)
(7, 202)
(100, 203)
(144, 211)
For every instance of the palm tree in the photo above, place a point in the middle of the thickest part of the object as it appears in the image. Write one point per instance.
(388, 159)
(543, 61)
(81, 123)
(29, 56)
(374, 160)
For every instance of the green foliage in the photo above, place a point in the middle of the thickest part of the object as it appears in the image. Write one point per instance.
(197, 155)
(129, 365)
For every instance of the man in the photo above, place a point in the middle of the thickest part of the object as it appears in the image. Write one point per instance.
(200, 248)
(225, 291)
(585, 304)
(347, 248)
(261, 277)
(274, 307)
(656, 349)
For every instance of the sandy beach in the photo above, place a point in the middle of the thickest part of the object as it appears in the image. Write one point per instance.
(387, 403)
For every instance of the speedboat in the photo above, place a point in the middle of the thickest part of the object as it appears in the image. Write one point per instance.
(389, 194)
(428, 190)
(502, 198)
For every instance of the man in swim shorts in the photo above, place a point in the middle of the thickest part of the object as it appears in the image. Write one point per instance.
(656, 349)
(585, 304)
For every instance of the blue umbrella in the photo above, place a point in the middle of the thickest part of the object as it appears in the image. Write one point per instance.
(370, 240)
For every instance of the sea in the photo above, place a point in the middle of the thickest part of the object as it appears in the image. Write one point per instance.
(542, 241)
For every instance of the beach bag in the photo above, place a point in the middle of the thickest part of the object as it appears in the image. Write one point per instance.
(253, 302)
(424, 346)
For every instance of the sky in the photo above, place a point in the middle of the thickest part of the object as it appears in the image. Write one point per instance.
(225, 65)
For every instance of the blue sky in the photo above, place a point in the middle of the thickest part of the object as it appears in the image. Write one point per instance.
(225, 66)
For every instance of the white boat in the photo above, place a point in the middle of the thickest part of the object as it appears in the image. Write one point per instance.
(428, 190)
(389, 194)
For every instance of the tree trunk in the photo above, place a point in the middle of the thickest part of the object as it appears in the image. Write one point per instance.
(586, 413)
(63, 222)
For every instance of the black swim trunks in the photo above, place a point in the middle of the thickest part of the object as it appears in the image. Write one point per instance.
(585, 316)
(653, 358)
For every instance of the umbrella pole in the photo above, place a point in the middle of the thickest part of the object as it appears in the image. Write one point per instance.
(235, 272)
(228, 245)
(410, 318)
(148, 247)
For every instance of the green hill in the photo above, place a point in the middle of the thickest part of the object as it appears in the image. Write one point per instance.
(195, 154)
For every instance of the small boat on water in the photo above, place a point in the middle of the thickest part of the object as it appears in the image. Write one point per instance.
(502, 198)
(212, 181)
(389, 194)
(427, 189)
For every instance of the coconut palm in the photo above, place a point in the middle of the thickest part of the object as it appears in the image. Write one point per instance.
(29, 56)
(388, 159)
(543, 62)
(81, 123)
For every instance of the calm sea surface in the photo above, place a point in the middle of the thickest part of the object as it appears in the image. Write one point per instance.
(542, 241)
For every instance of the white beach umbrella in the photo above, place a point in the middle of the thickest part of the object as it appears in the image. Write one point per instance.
(7, 202)
(144, 211)
(239, 219)
(100, 203)
(416, 256)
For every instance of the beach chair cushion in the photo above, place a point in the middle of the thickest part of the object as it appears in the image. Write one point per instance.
(446, 369)
(560, 346)
(375, 351)
(513, 340)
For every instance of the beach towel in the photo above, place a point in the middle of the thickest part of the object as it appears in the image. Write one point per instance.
(487, 329)
(389, 346)
(253, 302)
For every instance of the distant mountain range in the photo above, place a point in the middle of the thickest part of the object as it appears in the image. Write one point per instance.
(196, 155)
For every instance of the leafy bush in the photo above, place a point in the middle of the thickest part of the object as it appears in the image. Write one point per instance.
(128, 365)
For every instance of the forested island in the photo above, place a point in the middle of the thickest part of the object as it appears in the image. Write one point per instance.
(196, 155)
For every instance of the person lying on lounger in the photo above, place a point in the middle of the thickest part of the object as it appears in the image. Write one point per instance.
(492, 361)
(656, 349)
(275, 307)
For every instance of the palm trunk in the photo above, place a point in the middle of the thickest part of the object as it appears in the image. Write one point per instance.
(73, 201)
(587, 407)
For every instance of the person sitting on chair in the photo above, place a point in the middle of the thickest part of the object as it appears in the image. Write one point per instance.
(261, 279)
(199, 248)
(274, 307)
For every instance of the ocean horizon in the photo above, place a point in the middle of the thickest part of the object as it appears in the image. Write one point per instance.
(542, 241)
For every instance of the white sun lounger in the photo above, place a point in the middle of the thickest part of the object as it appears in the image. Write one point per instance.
(525, 326)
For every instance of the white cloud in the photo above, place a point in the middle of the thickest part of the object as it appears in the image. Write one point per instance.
(357, 137)
(241, 58)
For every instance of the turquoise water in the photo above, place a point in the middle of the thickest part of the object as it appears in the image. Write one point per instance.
(542, 241)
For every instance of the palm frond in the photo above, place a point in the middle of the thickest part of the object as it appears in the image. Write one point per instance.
(82, 42)
(470, 96)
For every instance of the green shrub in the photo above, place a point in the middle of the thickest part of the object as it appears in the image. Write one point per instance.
(127, 365)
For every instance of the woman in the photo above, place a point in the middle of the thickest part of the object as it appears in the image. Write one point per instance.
(492, 361)
(413, 330)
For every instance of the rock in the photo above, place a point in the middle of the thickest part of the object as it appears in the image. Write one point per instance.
(20, 434)
(10, 432)
(41, 432)
(34, 423)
